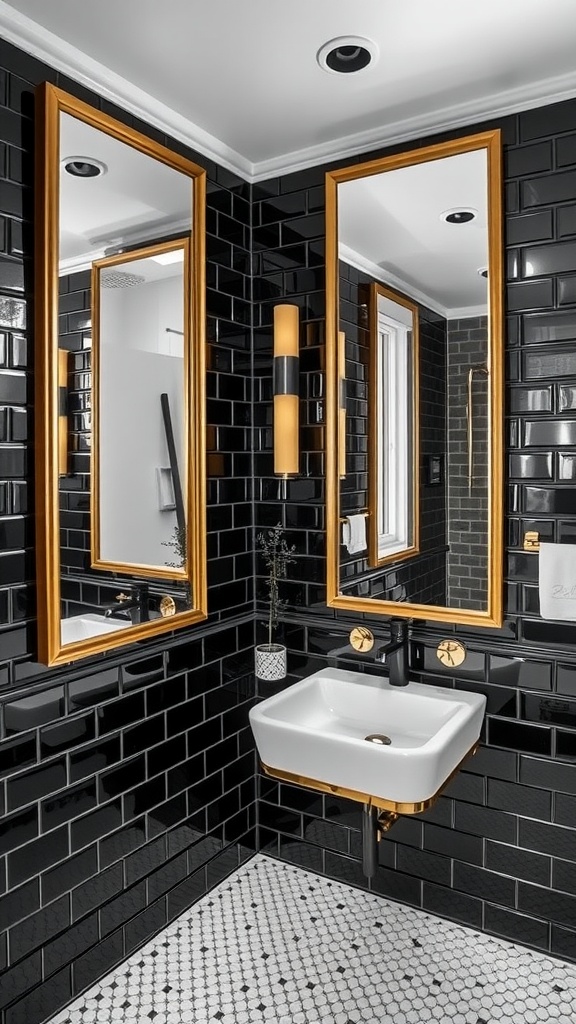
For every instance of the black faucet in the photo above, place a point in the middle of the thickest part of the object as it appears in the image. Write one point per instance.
(395, 654)
(133, 606)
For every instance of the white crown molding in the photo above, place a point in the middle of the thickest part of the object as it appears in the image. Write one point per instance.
(502, 104)
(355, 259)
(27, 34)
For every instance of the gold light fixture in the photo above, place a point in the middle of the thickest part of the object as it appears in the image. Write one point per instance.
(286, 418)
(341, 404)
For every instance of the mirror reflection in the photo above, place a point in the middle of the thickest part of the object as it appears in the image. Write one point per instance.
(127, 554)
(138, 509)
(416, 246)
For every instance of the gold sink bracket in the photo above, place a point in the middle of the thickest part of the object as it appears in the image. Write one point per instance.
(390, 810)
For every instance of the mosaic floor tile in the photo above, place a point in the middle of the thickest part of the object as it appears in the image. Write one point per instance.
(275, 943)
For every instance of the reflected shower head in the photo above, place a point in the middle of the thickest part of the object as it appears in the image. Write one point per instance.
(120, 279)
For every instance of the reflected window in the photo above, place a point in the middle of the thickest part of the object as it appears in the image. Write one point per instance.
(394, 458)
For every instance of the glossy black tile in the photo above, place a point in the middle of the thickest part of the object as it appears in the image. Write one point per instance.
(20, 978)
(94, 758)
(66, 948)
(517, 927)
(547, 774)
(19, 903)
(121, 909)
(17, 753)
(523, 800)
(17, 829)
(510, 860)
(33, 858)
(453, 905)
(97, 961)
(69, 874)
(36, 930)
(530, 738)
(96, 825)
(66, 734)
(120, 713)
(31, 785)
(96, 891)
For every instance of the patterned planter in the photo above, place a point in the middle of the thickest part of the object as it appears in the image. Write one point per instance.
(270, 661)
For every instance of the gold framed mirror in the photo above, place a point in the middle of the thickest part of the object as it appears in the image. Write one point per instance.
(415, 383)
(120, 393)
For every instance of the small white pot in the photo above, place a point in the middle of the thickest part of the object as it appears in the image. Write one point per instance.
(270, 661)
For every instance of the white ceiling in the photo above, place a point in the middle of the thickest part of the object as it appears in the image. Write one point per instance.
(240, 82)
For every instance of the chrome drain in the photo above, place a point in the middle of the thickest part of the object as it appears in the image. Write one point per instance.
(379, 739)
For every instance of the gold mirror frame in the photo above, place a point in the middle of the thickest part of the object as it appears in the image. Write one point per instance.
(97, 562)
(492, 615)
(50, 103)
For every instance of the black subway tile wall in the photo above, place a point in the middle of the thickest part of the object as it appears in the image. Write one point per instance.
(127, 783)
(498, 851)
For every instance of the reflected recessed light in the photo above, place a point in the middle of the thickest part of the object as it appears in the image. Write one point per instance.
(165, 258)
(459, 215)
(482, 271)
(347, 55)
(83, 166)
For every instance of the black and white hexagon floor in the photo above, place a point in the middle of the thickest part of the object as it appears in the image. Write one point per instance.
(275, 943)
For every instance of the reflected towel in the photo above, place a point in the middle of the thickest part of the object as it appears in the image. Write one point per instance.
(354, 534)
(557, 581)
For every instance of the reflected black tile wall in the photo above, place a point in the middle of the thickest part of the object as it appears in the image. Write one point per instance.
(510, 817)
(125, 785)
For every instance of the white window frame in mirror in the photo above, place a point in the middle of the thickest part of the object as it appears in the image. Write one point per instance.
(394, 458)
(492, 614)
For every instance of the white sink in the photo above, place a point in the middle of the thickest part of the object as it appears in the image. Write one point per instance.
(317, 729)
(82, 627)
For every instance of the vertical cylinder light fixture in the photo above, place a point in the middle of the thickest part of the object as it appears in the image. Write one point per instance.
(286, 400)
(341, 404)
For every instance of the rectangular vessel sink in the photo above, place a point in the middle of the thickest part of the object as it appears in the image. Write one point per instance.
(81, 627)
(318, 730)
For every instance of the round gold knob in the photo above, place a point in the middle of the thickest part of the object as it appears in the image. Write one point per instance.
(167, 606)
(362, 639)
(451, 653)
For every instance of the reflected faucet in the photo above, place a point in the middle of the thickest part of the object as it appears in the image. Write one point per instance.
(395, 654)
(133, 606)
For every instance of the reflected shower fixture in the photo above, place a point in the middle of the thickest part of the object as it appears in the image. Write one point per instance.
(286, 401)
(483, 371)
(341, 404)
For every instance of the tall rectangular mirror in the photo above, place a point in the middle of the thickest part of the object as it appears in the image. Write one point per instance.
(414, 398)
(120, 477)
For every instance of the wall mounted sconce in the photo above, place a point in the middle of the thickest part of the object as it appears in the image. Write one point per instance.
(286, 400)
(62, 411)
(341, 404)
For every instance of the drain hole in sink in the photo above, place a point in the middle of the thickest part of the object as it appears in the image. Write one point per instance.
(379, 739)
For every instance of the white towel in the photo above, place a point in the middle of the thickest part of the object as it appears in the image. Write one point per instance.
(557, 581)
(354, 534)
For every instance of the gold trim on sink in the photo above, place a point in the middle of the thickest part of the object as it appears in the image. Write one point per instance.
(365, 798)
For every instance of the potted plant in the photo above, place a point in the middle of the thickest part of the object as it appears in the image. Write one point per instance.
(271, 657)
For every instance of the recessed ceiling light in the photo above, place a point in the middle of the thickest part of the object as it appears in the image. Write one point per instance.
(483, 271)
(347, 55)
(459, 215)
(165, 258)
(83, 166)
